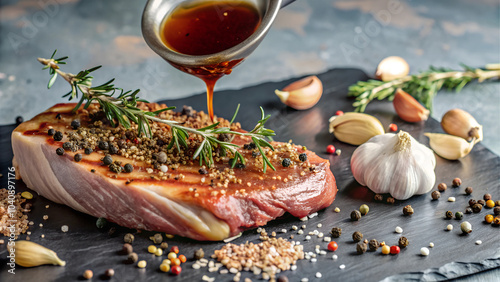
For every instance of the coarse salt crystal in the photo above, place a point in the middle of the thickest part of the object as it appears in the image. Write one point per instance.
(313, 215)
(300, 232)
(479, 242)
(304, 280)
(322, 252)
(320, 234)
(196, 266)
(303, 218)
(335, 257)
(304, 226)
(318, 275)
(431, 245)
(449, 227)
(233, 270)
(293, 267)
(308, 238)
(342, 266)
(314, 260)
(64, 228)
(399, 230)
(320, 225)
(283, 230)
(294, 227)
(424, 251)
(327, 239)
(451, 199)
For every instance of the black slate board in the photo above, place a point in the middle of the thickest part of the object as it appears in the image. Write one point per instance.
(454, 255)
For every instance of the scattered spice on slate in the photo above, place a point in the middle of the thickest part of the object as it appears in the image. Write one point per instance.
(472, 202)
(398, 230)
(487, 197)
(442, 187)
(449, 227)
(357, 236)
(103, 145)
(157, 238)
(199, 254)
(459, 215)
(481, 202)
(496, 221)
(128, 168)
(127, 248)
(488, 218)
(132, 257)
(58, 136)
(496, 210)
(78, 157)
(115, 167)
(332, 246)
(449, 214)
(75, 124)
(395, 250)
(87, 274)
(142, 264)
(403, 242)
(466, 227)
(497, 203)
(468, 190)
(107, 160)
(128, 238)
(361, 248)
(51, 132)
(408, 210)
(282, 278)
(113, 150)
(88, 151)
(355, 215)
(364, 209)
(67, 146)
(101, 222)
(202, 171)
(286, 162)
(386, 250)
(373, 245)
(490, 204)
(391, 200)
(435, 195)
(457, 182)
(303, 157)
(379, 198)
(336, 232)
(60, 151)
(109, 272)
(468, 210)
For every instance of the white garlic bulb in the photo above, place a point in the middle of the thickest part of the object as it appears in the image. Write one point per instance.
(396, 164)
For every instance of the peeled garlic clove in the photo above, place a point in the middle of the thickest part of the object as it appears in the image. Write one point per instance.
(408, 108)
(355, 128)
(460, 123)
(448, 146)
(29, 254)
(302, 94)
(391, 68)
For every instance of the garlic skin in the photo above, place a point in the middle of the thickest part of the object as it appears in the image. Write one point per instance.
(460, 123)
(29, 254)
(302, 94)
(355, 128)
(392, 68)
(408, 108)
(448, 146)
(396, 164)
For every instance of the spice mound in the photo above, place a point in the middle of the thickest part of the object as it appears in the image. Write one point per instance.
(162, 182)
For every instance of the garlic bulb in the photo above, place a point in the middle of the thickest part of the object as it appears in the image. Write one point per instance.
(460, 123)
(391, 68)
(448, 146)
(302, 94)
(396, 164)
(355, 128)
(29, 254)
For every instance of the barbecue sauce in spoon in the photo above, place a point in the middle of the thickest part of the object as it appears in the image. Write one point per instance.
(209, 27)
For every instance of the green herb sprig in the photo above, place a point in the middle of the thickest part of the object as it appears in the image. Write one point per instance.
(121, 106)
(423, 86)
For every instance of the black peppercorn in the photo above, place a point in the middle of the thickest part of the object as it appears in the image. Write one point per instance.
(67, 146)
(239, 165)
(107, 160)
(187, 111)
(122, 144)
(378, 198)
(286, 162)
(224, 137)
(361, 248)
(408, 210)
(103, 145)
(77, 157)
(496, 210)
(468, 210)
(472, 202)
(336, 232)
(101, 222)
(199, 254)
(403, 242)
(113, 150)
(468, 190)
(449, 214)
(303, 157)
(51, 132)
(75, 124)
(481, 202)
(19, 119)
(60, 151)
(128, 168)
(459, 215)
(202, 171)
(355, 215)
(114, 167)
(255, 154)
(357, 236)
(58, 136)
(249, 146)
(457, 182)
(88, 151)
(435, 195)
(487, 197)
(373, 245)
(442, 187)
(476, 208)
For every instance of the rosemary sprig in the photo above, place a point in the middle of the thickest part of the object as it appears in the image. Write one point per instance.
(123, 110)
(423, 86)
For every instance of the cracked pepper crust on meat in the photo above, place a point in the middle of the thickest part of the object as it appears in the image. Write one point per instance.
(167, 190)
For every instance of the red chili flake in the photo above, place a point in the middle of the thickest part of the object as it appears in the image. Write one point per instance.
(332, 246)
(136, 141)
(174, 249)
(393, 127)
(339, 113)
(176, 269)
(330, 149)
(395, 250)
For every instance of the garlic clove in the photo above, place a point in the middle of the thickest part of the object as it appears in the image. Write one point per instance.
(408, 108)
(29, 254)
(302, 94)
(460, 123)
(448, 146)
(355, 128)
(392, 68)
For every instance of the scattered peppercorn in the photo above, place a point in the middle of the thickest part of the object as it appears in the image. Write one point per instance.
(239, 165)
(497, 203)
(403, 242)
(391, 200)
(176, 269)
(77, 157)
(282, 278)
(142, 264)
(466, 227)
(355, 215)
(127, 248)
(364, 209)
(457, 182)
(442, 187)
(468, 190)
(487, 197)
(472, 202)
(496, 221)
(113, 150)
(164, 245)
(202, 171)
(88, 151)
(488, 218)
(435, 195)
(51, 132)
(333, 246)
(357, 236)
(128, 238)
(19, 119)
(378, 198)
(255, 154)
(174, 249)
(481, 202)
(128, 168)
(67, 146)
(393, 127)
(476, 208)
(249, 146)
(408, 210)
(496, 210)
(373, 245)
(361, 248)
(468, 210)
(101, 222)
(88, 274)
(75, 124)
(303, 157)
(115, 167)
(199, 254)
(109, 272)
(336, 232)
(157, 238)
(395, 250)
(449, 214)
(459, 215)
(330, 149)
(60, 151)
(103, 145)
(58, 136)
(107, 160)
(490, 204)
(286, 162)
(386, 250)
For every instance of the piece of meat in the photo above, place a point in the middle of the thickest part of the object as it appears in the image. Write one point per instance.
(184, 200)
